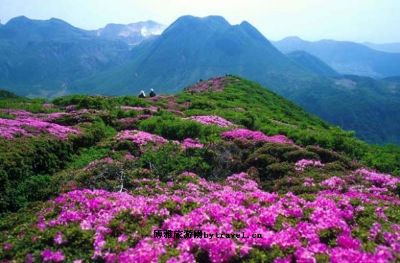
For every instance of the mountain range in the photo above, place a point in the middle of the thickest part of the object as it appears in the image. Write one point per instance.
(44, 57)
(346, 57)
(52, 58)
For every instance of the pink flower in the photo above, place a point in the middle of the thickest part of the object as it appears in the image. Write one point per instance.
(211, 120)
(122, 238)
(26, 124)
(214, 84)
(58, 239)
(140, 138)
(189, 143)
(334, 183)
(257, 136)
(379, 179)
(50, 256)
(129, 157)
(308, 181)
(7, 246)
(347, 241)
(302, 164)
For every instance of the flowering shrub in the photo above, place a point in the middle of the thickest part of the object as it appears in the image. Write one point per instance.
(302, 164)
(211, 120)
(50, 256)
(308, 181)
(140, 138)
(215, 84)
(334, 183)
(190, 143)
(380, 179)
(25, 124)
(301, 230)
(257, 136)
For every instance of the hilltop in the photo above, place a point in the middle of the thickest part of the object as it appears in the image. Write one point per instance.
(91, 177)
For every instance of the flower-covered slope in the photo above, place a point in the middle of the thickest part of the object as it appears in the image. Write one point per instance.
(28, 124)
(224, 172)
(122, 225)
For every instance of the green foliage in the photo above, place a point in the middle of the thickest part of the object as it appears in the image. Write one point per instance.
(329, 236)
(26, 164)
(98, 102)
(250, 105)
(32, 105)
(5, 94)
(384, 158)
(175, 128)
(87, 155)
(170, 160)
(264, 255)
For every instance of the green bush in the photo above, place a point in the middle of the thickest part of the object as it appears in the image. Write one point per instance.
(174, 128)
(299, 154)
(170, 160)
(26, 164)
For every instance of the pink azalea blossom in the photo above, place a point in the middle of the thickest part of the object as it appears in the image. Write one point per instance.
(302, 164)
(27, 124)
(140, 138)
(189, 143)
(50, 256)
(379, 179)
(218, 207)
(212, 120)
(257, 136)
(334, 183)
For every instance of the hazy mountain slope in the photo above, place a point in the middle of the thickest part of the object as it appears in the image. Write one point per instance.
(346, 57)
(195, 48)
(43, 57)
(368, 106)
(312, 63)
(386, 47)
(22, 30)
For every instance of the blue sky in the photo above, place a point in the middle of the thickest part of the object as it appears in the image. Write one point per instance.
(356, 20)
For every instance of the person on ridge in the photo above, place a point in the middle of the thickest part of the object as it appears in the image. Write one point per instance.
(152, 93)
(142, 94)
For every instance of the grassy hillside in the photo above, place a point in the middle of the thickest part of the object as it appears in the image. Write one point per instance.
(91, 177)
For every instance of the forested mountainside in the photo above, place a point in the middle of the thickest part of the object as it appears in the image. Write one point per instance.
(123, 179)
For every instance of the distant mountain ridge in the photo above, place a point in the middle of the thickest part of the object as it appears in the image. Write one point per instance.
(346, 57)
(312, 63)
(386, 47)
